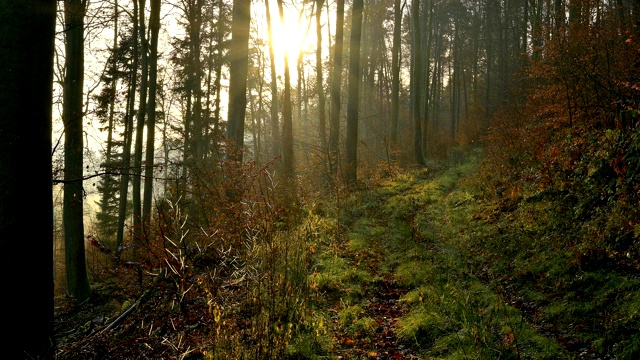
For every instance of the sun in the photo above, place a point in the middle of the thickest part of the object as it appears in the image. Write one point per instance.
(294, 35)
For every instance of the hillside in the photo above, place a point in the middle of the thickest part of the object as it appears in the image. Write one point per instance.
(430, 263)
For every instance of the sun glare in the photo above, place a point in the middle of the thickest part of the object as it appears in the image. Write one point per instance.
(295, 35)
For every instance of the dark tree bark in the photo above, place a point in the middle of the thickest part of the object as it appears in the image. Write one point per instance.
(319, 80)
(336, 85)
(238, 59)
(154, 27)
(287, 115)
(27, 29)
(142, 108)
(72, 212)
(128, 135)
(353, 101)
(395, 70)
(275, 123)
(417, 69)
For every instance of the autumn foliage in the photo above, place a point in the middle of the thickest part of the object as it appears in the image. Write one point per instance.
(572, 134)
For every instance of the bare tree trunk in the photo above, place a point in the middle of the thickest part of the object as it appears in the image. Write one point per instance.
(137, 157)
(287, 116)
(336, 85)
(319, 80)
(238, 58)
(395, 69)
(128, 136)
(353, 102)
(154, 27)
(27, 30)
(73, 214)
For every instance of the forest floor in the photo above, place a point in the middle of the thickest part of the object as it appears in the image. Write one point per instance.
(429, 264)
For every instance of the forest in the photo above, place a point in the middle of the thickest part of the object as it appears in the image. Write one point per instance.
(320, 179)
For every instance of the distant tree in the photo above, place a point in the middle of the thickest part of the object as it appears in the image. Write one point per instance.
(395, 69)
(238, 68)
(336, 86)
(319, 81)
(287, 115)
(275, 123)
(72, 116)
(27, 29)
(417, 71)
(154, 29)
(353, 102)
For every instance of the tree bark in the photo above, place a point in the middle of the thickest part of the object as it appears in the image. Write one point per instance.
(238, 59)
(319, 80)
(336, 85)
(27, 29)
(154, 27)
(395, 69)
(353, 102)
(142, 108)
(72, 213)
(275, 123)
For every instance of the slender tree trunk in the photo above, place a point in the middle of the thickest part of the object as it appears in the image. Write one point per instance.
(336, 85)
(319, 80)
(27, 31)
(238, 58)
(154, 27)
(73, 214)
(128, 136)
(287, 116)
(109, 187)
(275, 124)
(395, 70)
(417, 66)
(142, 108)
(353, 102)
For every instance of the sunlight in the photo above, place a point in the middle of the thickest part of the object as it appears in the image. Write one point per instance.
(295, 35)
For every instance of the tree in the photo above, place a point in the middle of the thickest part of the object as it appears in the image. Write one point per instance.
(287, 115)
(275, 126)
(154, 27)
(238, 68)
(27, 29)
(73, 214)
(353, 101)
(336, 85)
(319, 82)
(395, 70)
(417, 71)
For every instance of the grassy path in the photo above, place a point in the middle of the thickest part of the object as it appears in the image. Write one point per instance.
(397, 286)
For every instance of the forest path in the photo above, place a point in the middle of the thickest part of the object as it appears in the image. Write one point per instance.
(398, 286)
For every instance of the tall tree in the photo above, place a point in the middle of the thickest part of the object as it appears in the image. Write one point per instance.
(275, 126)
(417, 71)
(27, 29)
(319, 81)
(395, 69)
(128, 132)
(142, 108)
(336, 85)
(154, 29)
(238, 67)
(287, 114)
(72, 116)
(353, 101)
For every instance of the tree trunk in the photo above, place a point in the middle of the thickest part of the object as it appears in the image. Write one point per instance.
(128, 136)
(336, 86)
(137, 157)
(353, 102)
(319, 87)
(395, 69)
(154, 27)
(73, 214)
(27, 30)
(417, 69)
(275, 124)
(238, 59)
(287, 115)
